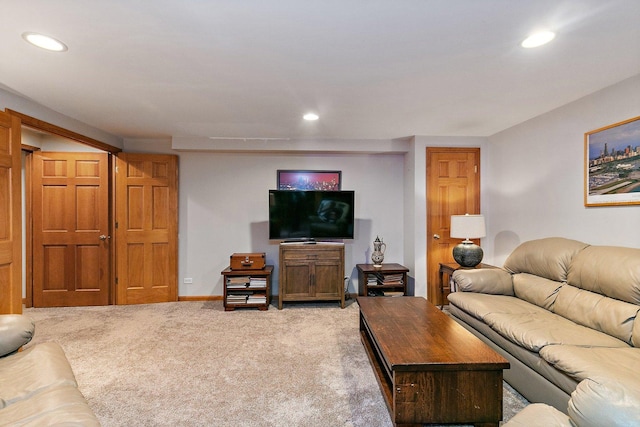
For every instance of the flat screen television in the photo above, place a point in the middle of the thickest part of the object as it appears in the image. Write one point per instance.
(308, 215)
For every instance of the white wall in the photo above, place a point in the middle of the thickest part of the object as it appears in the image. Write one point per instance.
(535, 177)
(531, 183)
(224, 208)
(30, 108)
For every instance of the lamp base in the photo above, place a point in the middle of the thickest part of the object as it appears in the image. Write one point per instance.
(468, 254)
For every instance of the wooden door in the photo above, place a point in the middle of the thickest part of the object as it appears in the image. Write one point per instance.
(10, 219)
(70, 211)
(453, 188)
(146, 228)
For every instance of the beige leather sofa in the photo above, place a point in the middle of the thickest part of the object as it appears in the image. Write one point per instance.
(37, 385)
(565, 314)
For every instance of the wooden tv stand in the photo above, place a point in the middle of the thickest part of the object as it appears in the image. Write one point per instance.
(430, 369)
(311, 272)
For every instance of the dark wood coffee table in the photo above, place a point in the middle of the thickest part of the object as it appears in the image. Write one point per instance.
(430, 369)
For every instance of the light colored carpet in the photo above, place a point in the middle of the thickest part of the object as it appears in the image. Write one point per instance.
(193, 364)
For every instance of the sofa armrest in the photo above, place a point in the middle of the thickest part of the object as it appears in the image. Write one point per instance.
(539, 414)
(486, 280)
(15, 331)
(605, 402)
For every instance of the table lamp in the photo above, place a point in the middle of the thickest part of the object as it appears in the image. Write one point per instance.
(467, 253)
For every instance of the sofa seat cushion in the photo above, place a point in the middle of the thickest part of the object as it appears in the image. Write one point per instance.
(33, 370)
(536, 330)
(528, 325)
(61, 405)
(480, 305)
(589, 362)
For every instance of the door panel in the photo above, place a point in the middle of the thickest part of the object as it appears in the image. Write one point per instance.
(326, 275)
(70, 224)
(453, 188)
(10, 220)
(146, 228)
(298, 279)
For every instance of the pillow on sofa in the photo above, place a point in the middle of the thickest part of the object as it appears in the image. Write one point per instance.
(548, 258)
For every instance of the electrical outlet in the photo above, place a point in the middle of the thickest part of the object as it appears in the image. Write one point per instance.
(187, 280)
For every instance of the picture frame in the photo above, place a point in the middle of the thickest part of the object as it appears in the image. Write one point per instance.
(612, 164)
(309, 180)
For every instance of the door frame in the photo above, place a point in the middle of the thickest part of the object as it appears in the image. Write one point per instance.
(42, 126)
(428, 226)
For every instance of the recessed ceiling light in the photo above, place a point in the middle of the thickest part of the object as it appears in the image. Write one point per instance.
(44, 42)
(311, 116)
(538, 39)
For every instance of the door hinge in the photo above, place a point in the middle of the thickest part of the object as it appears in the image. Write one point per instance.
(475, 168)
(116, 224)
(116, 280)
(116, 169)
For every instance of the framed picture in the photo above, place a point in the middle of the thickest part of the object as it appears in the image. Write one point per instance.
(309, 180)
(612, 164)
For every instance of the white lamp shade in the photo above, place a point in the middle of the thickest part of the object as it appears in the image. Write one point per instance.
(467, 226)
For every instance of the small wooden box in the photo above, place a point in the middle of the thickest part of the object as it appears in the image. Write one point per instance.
(249, 261)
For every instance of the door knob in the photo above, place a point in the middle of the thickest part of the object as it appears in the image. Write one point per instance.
(436, 236)
(103, 237)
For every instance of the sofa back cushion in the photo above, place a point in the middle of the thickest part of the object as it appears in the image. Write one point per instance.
(608, 270)
(635, 334)
(536, 290)
(608, 315)
(548, 258)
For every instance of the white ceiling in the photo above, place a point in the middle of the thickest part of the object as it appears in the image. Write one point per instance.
(370, 68)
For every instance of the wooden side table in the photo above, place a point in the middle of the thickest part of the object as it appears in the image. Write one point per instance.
(241, 291)
(390, 278)
(447, 268)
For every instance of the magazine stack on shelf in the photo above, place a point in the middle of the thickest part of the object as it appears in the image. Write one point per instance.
(238, 297)
(390, 279)
(390, 293)
(372, 279)
(238, 282)
(257, 299)
(257, 282)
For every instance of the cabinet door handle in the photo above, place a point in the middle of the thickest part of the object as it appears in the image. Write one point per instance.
(436, 236)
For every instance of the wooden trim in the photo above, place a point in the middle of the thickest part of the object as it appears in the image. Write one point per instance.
(29, 148)
(28, 221)
(201, 298)
(41, 125)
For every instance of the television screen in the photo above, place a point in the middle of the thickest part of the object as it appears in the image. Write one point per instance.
(299, 215)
